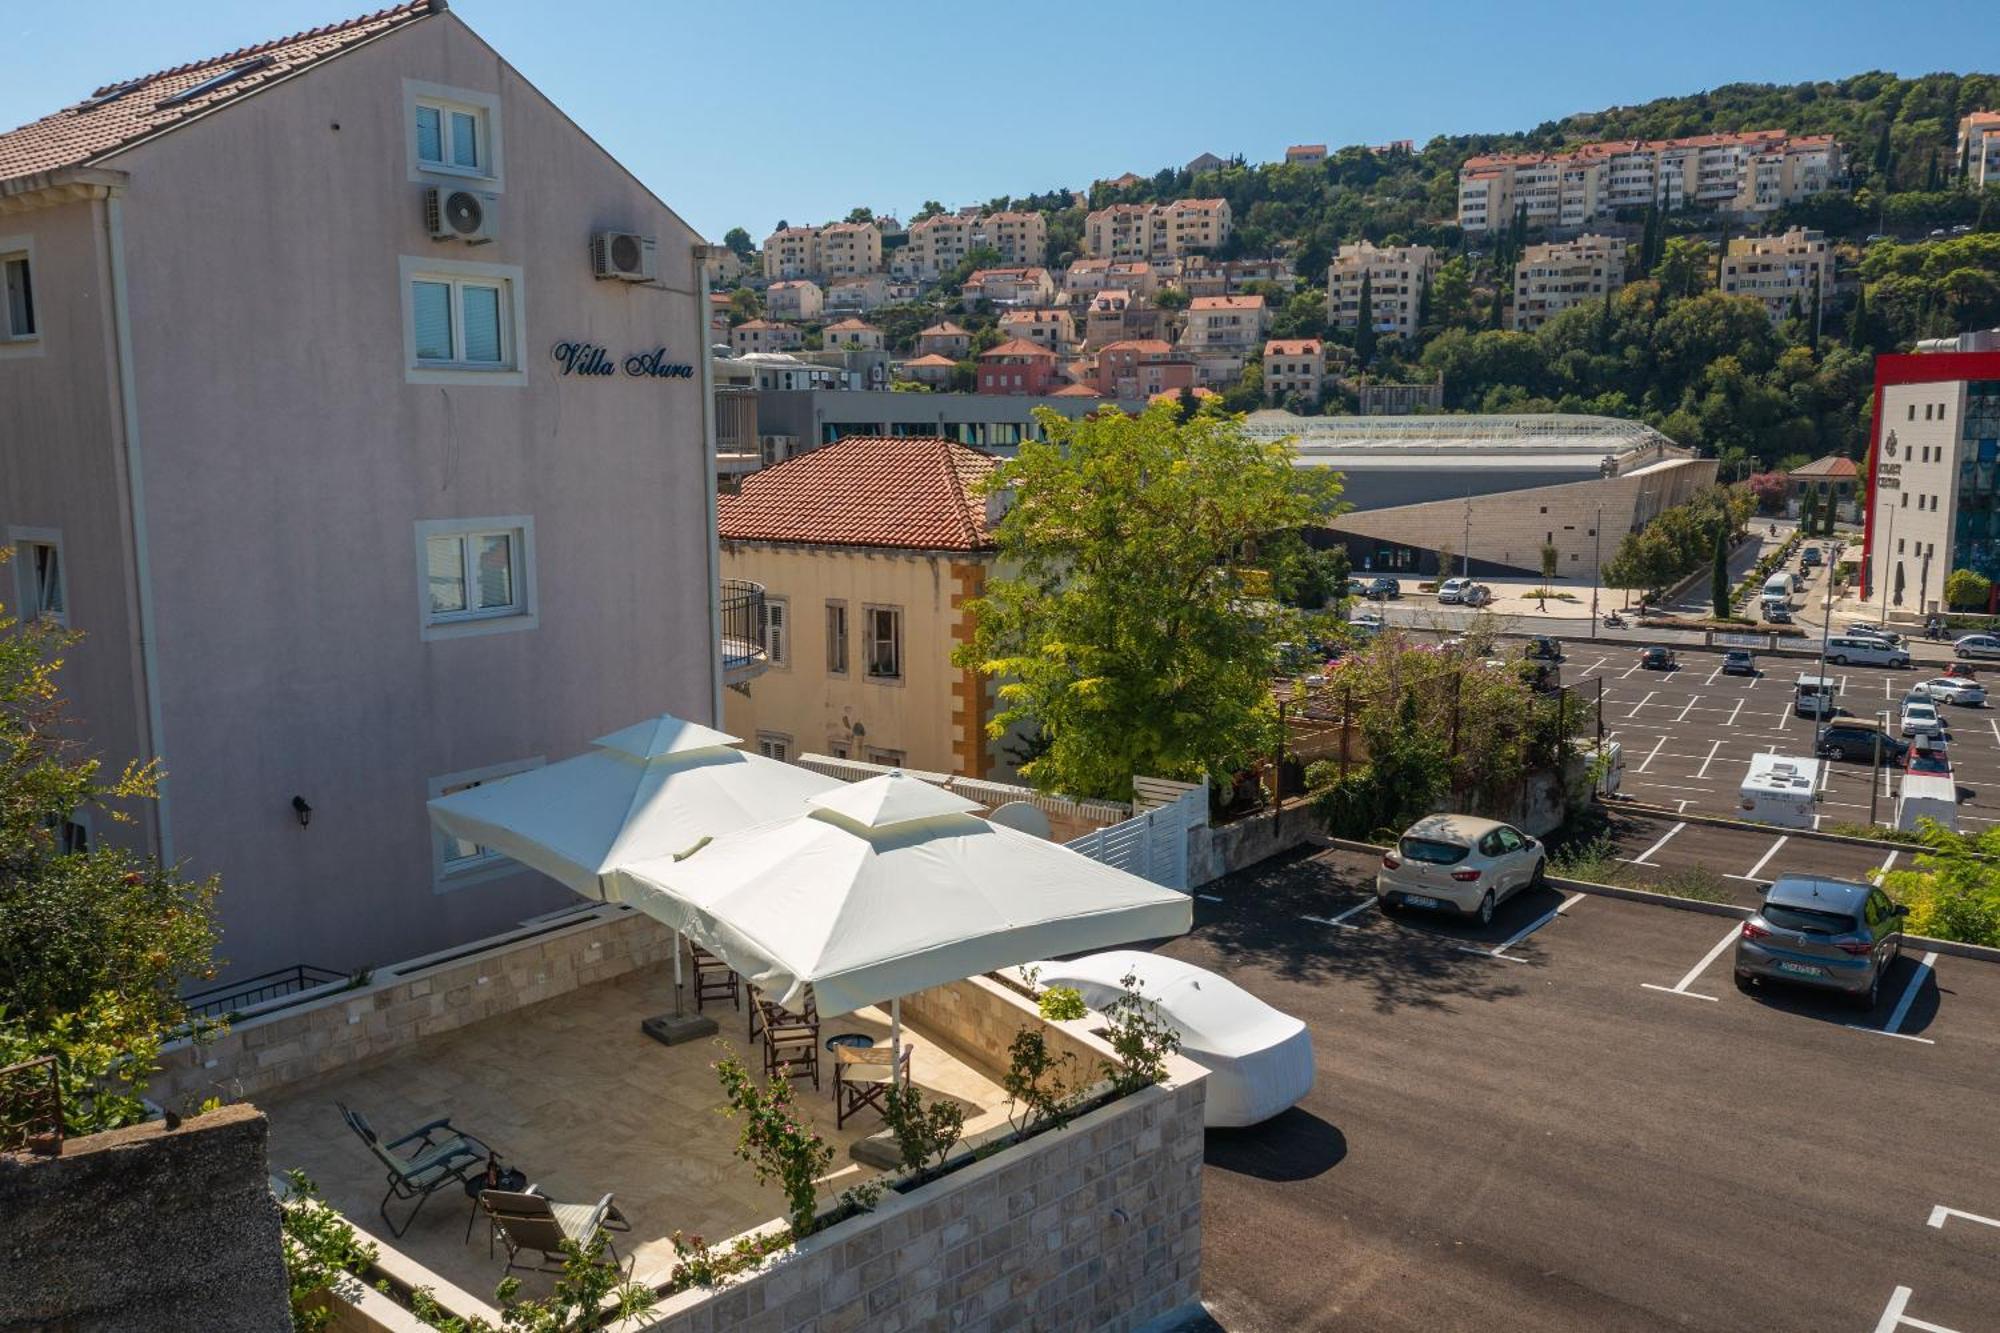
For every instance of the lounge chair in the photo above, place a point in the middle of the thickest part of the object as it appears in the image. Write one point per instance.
(529, 1221)
(421, 1162)
(861, 1077)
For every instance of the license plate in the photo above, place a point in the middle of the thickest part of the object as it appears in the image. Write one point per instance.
(1418, 900)
(1802, 969)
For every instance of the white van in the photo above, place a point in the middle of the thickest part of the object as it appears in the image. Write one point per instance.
(1778, 588)
(1864, 650)
(1931, 795)
(1780, 790)
(1815, 696)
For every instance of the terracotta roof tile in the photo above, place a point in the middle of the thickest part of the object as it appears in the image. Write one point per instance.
(944, 330)
(931, 359)
(122, 113)
(1018, 347)
(1297, 347)
(1076, 391)
(1830, 466)
(907, 492)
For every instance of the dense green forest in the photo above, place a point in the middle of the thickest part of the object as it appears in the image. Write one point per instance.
(1918, 257)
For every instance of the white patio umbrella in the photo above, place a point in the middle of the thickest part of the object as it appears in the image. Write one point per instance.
(657, 788)
(887, 887)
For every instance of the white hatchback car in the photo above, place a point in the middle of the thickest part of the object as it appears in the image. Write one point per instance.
(1951, 690)
(1452, 591)
(1920, 718)
(1459, 861)
(1977, 645)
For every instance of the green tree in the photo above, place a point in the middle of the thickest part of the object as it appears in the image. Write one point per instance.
(744, 304)
(1122, 635)
(1687, 266)
(97, 944)
(860, 215)
(1718, 583)
(1171, 298)
(1953, 891)
(1451, 294)
(739, 240)
(1967, 589)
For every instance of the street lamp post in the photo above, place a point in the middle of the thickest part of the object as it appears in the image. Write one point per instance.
(1596, 567)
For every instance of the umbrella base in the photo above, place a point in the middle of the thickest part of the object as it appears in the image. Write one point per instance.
(673, 1029)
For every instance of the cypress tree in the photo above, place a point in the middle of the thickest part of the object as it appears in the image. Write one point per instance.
(1719, 578)
(1499, 299)
(1884, 153)
(1812, 328)
(1424, 305)
(1860, 328)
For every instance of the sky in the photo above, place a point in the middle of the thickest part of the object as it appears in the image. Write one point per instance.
(746, 114)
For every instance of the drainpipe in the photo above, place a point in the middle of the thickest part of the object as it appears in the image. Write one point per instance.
(709, 482)
(142, 570)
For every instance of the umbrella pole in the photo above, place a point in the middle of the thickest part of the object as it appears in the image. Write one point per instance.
(895, 1042)
(677, 974)
(679, 1026)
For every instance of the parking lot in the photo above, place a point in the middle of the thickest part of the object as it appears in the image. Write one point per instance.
(1688, 734)
(1573, 1119)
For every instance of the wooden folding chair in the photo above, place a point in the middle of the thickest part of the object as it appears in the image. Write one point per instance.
(713, 979)
(791, 1042)
(862, 1077)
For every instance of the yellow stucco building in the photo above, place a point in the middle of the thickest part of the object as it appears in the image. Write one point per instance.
(868, 551)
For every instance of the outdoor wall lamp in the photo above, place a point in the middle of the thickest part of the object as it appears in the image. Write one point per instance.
(302, 810)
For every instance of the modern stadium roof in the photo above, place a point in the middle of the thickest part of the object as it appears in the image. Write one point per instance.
(1538, 440)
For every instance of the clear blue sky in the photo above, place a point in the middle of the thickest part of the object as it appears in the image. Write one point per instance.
(740, 113)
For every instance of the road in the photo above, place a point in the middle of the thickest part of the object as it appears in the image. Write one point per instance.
(1539, 1139)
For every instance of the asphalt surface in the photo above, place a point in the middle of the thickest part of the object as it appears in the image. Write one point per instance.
(1534, 1139)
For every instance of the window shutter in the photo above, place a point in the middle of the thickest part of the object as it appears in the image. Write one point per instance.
(430, 137)
(430, 311)
(482, 323)
(445, 557)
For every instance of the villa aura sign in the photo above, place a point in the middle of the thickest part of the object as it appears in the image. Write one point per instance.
(591, 360)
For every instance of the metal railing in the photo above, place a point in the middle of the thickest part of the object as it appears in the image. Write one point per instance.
(31, 1109)
(239, 995)
(742, 625)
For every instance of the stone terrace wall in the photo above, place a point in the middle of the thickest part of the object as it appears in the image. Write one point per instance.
(145, 1228)
(410, 1000)
(979, 1017)
(1094, 1227)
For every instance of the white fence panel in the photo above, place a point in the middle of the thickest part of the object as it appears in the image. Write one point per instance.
(1152, 845)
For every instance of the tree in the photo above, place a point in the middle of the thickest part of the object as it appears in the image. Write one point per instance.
(97, 944)
(1645, 560)
(1718, 585)
(860, 215)
(744, 303)
(1171, 298)
(1685, 267)
(1770, 489)
(1967, 589)
(1953, 892)
(1364, 328)
(739, 240)
(1123, 635)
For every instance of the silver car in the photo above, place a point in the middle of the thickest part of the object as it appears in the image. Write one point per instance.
(1951, 690)
(1459, 861)
(1976, 645)
(1831, 933)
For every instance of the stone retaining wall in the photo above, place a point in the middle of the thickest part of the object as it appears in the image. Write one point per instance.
(410, 1000)
(145, 1228)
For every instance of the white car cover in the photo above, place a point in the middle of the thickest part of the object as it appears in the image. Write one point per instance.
(1260, 1062)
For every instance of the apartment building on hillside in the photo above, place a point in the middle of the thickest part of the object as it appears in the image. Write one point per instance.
(1053, 329)
(764, 335)
(1978, 160)
(1305, 154)
(1232, 324)
(794, 298)
(848, 249)
(1021, 237)
(857, 294)
(792, 252)
(1018, 367)
(853, 334)
(1550, 279)
(937, 244)
(1009, 286)
(1395, 277)
(1782, 271)
(944, 339)
(868, 550)
(1294, 366)
(1157, 231)
(1142, 368)
(1756, 171)
(352, 511)
(1088, 276)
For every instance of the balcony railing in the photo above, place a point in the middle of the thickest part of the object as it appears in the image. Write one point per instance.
(743, 655)
(236, 996)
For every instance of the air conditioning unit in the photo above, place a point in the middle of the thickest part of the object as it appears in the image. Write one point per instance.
(459, 215)
(623, 255)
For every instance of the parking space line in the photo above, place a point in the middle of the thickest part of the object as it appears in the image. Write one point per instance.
(1341, 920)
(1629, 670)
(1902, 1010)
(1689, 709)
(1641, 704)
(1640, 859)
(1883, 869)
(1763, 860)
(1940, 1213)
(1209, 897)
(1500, 950)
(1783, 713)
(1732, 716)
(1713, 674)
(1996, 728)
(1656, 749)
(1702, 772)
(1893, 1317)
(1681, 987)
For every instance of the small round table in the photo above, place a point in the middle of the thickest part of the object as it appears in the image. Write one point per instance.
(511, 1179)
(859, 1040)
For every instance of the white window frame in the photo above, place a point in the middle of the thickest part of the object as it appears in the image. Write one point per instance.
(460, 624)
(775, 745)
(11, 343)
(448, 875)
(511, 369)
(868, 613)
(27, 601)
(776, 632)
(485, 107)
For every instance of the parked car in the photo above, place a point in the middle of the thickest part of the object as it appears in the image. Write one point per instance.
(1810, 556)
(1476, 595)
(1259, 1060)
(1542, 648)
(1777, 613)
(1932, 763)
(1384, 587)
(1864, 650)
(1875, 236)
(1962, 229)
(1739, 662)
(1976, 645)
(1657, 658)
(1951, 690)
(1920, 718)
(1872, 630)
(1855, 738)
(1452, 591)
(1357, 587)
(1367, 623)
(1459, 861)
(1830, 933)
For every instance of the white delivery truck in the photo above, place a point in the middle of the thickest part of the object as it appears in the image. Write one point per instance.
(1927, 795)
(1815, 695)
(1780, 790)
(1778, 589)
